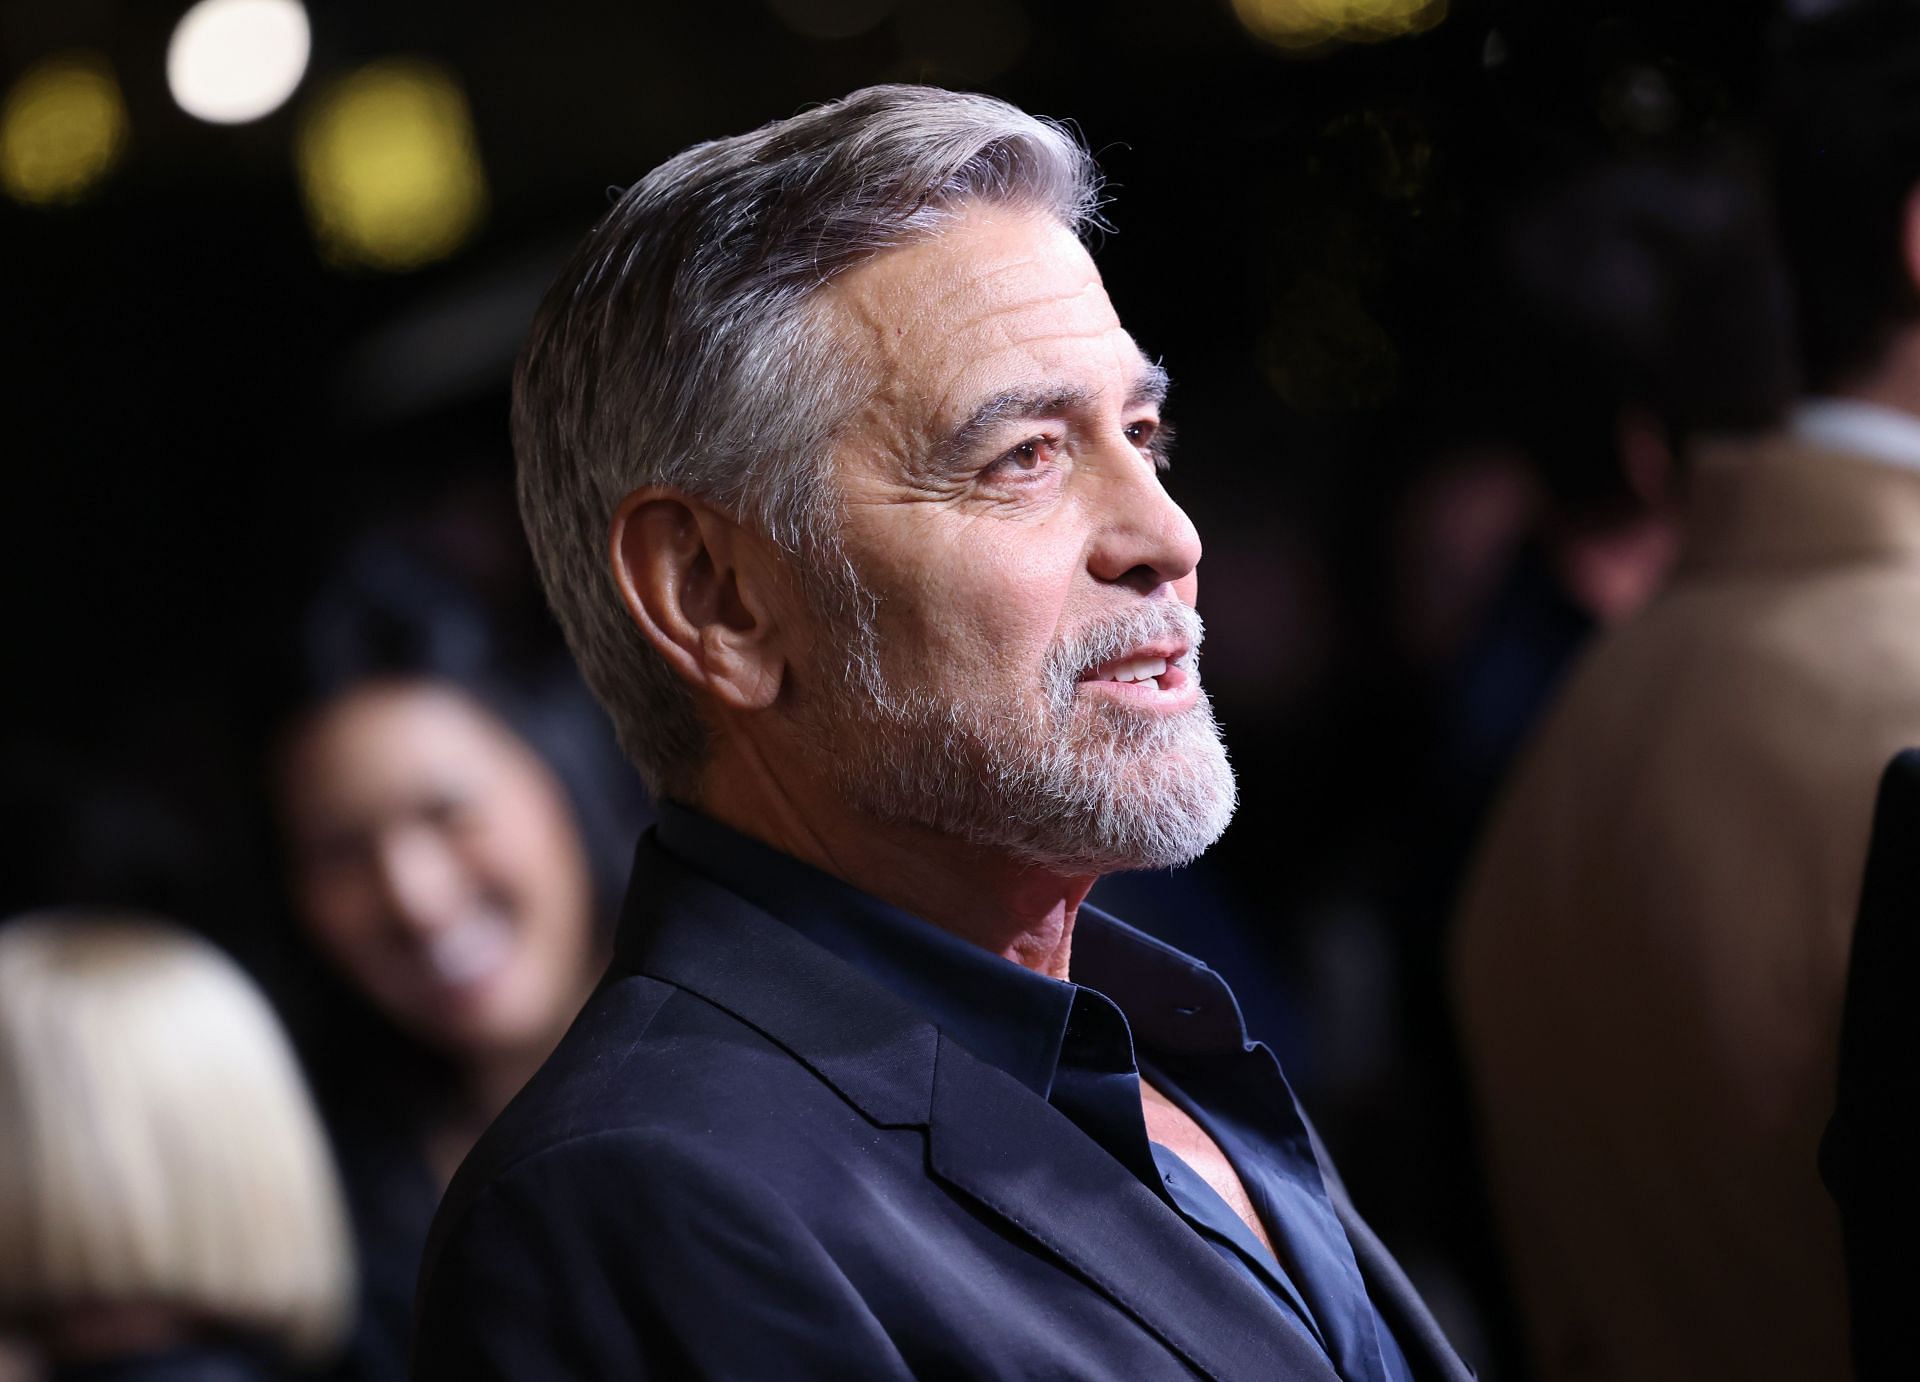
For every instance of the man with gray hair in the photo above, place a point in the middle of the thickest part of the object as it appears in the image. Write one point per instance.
(843, 478)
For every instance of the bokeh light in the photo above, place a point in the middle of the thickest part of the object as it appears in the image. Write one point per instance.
(1305, 24)
(62, 129)
(231, 61)
(390, 168)
(831, 18)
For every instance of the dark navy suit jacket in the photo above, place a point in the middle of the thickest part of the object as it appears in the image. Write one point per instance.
(748, 1159)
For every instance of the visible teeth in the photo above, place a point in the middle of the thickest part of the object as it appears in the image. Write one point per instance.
(1137, 669)
(470, 950)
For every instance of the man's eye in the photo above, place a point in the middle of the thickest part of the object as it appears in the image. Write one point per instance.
(1153, 438)
(1029, 457)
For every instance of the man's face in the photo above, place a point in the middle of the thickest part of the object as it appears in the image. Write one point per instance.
(1028, 682)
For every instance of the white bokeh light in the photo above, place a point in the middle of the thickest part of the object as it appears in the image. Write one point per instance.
(231, 61)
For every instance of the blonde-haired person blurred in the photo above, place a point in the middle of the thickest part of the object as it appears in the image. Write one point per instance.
(168, 1206)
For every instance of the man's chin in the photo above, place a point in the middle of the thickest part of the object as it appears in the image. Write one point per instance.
(1094, 790)
(1158, 810)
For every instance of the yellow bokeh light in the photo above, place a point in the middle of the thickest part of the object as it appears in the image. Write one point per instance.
(389, 167)
(62, 129)
(1298, 24)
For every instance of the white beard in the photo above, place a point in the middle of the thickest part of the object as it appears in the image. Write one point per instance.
(1077, 785)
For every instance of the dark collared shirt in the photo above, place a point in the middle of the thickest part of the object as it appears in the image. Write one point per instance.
(1135, 1005)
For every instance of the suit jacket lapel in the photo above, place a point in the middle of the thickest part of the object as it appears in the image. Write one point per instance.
(990, 1137)
(689, 931)
(1420, 1335)
(1011, 1151)
(1421, 1338)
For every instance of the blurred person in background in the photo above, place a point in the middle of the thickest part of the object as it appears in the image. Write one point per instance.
(168, 1208)
(1629, 308)
(1652, 948)
(456, 822)
(1641, 309)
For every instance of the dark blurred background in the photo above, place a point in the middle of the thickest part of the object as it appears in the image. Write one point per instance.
(1396, 255)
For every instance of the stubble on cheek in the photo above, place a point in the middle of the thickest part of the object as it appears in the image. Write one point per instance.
(953, 731)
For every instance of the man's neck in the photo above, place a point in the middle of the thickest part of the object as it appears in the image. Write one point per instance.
(1014, 909)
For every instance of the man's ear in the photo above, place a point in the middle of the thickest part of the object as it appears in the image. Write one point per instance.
(700, 588)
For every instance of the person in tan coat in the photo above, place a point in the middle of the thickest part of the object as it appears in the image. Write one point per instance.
(1651, 951)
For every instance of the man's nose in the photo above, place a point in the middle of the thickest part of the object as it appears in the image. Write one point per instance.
(1144, 539)
(421, 880)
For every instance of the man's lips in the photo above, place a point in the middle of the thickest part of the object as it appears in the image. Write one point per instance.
(1158, 662)
(1151, 677)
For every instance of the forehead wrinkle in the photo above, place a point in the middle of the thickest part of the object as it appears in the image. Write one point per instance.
(900, 304)
(890, 304)
(1030, 337)
(968, 277)
(1000, 331)
(988, 309)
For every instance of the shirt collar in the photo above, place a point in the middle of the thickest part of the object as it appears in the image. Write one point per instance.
(1003, 1013)
(1872, 430)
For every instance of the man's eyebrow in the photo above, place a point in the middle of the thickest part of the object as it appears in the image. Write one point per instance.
(1149, 387)
(1152, 385)
(953, 449)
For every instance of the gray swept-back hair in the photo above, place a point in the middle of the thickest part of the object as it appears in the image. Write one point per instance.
(682, 346)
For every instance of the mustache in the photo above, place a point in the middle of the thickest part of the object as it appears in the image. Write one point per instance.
(1158, 621)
